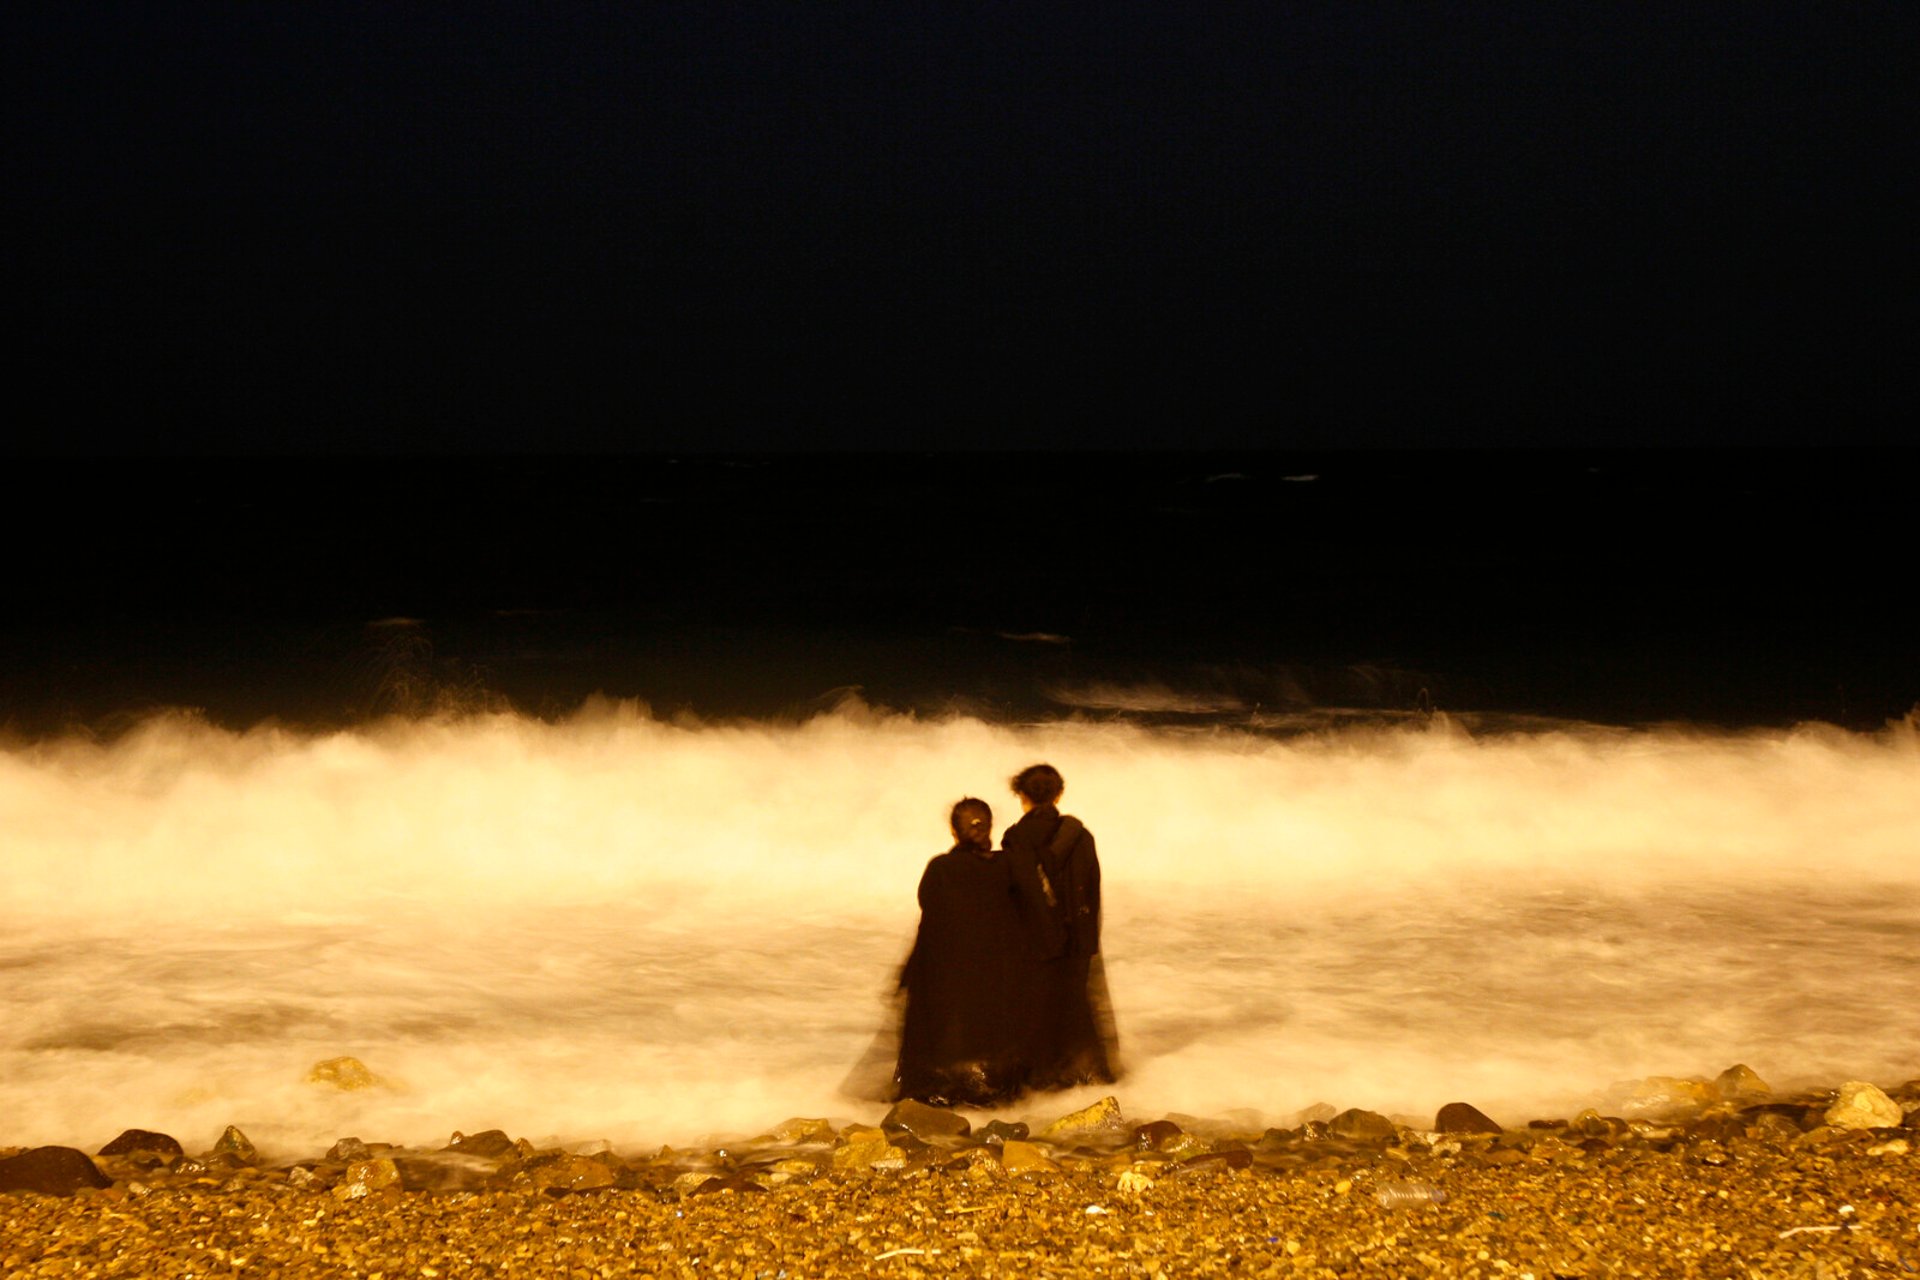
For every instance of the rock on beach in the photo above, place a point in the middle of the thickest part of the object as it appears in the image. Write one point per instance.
(1863, 1106)
(51, 1171)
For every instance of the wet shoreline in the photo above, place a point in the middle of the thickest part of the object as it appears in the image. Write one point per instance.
(1698, 1177)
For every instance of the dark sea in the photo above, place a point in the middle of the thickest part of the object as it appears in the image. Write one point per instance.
(586, 797)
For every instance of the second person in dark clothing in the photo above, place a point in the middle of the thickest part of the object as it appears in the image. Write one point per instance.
(1069, 1029)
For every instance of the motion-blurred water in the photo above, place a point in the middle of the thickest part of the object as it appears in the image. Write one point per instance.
(616, 926)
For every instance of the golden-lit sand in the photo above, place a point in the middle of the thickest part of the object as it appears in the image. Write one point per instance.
(1759, 1191)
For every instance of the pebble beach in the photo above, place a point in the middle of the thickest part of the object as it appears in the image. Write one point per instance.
(1697, 1178)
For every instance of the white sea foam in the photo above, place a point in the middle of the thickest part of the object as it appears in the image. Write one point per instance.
(648, 930)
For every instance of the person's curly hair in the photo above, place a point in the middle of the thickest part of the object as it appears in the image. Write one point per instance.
(1040, 783)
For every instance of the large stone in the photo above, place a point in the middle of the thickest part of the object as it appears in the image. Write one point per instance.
(802, 1129)
(998, 1131)
(1156, 1134)
(1025, 1157)
(1862, 1106)
(489, 1144)
(1462, 1117)
(143, 1141)
(862, 1149)
(347, 1074)
(51, 1171)
(924, 1122)
(235, 1148)
(1741, 1084)
(365, 1177)
(348, 1149)
(1355, 1125)
(563, 1171)
(1102, 1120)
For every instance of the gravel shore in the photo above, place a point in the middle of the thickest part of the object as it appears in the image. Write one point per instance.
(1762, 1189)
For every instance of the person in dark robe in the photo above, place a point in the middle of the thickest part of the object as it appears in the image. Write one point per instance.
(1070, 1039)
(962, 1037)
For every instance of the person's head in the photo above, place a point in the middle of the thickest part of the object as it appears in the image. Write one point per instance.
(972, 824)
(1038, 784)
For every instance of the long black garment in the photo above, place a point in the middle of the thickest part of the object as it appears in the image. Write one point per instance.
(1068, 1028)
(962, 1038)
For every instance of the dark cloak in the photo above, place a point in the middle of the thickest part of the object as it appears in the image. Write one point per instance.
(1068, 1025)
(961, 1040)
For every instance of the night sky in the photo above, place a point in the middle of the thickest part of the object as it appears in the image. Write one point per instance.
(491, 227)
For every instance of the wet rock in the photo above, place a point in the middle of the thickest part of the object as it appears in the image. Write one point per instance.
(801, 1129)
(1592, 1124)
(1462, 1117)
(1893, 1147)
(1740, 1084)
(1101, 1120)
(925, 1122)
(980, 1164)
(728, 1182)
(346, 1074)
(308, 1178)
(1658, 1096)
(133, 1142)
(1708, 1152)
(1863, 1106)
(1025, 1157)
(564, 1172)
(1156, 1134)
(445, 1171)
(861, 1149)
(365, 1177)
(1229, 1158)
(1355, 1125)
(234, 1148)
(1318, 1113)
(488, 1144)
(1767, 1125)
(997, 1131)
(347, 1150)
(51, 1171)
(688, 1183)
(794, 1169)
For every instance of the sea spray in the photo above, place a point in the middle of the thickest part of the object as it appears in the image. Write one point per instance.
(647, 930)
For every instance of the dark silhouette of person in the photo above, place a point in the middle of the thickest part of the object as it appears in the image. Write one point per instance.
(962, 1039)
(1069, 1032)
